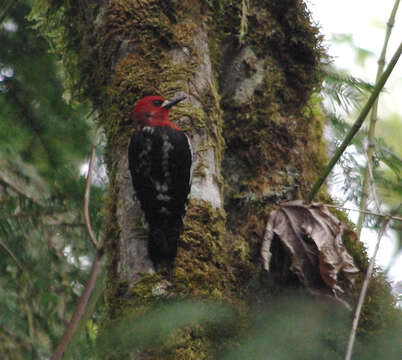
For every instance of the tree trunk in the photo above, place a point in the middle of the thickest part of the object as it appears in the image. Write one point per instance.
(248, 69)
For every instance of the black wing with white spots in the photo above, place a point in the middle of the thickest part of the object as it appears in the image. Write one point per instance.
(160, 164)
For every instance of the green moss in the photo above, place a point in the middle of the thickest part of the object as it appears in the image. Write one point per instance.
(195, 119)
(273, 140)
(142, 290)
(379, 312)
(201, 264)
(185, 346)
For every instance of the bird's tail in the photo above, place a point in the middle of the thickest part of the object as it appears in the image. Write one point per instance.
(162, 243)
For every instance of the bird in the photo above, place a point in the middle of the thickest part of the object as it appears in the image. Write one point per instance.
(160, 162)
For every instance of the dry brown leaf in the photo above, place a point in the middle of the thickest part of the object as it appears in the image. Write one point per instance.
(312, 237)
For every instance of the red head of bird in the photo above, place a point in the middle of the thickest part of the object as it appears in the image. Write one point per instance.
(153, 111)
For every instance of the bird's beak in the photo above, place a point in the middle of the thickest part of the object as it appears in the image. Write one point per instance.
(167, 104)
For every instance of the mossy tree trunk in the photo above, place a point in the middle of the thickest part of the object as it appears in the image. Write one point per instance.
(249, 70)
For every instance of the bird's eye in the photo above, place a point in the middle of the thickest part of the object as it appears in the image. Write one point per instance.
(157, 103)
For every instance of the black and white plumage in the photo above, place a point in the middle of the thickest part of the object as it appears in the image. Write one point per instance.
(160, 159)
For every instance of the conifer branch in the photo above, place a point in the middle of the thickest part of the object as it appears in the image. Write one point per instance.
(357, 125)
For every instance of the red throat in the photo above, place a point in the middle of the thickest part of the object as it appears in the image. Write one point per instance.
(164, 122)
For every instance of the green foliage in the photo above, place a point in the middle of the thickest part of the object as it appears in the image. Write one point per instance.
(51, 27)
(36, 122)
(342, 89)
(43, 242)
(345, 94)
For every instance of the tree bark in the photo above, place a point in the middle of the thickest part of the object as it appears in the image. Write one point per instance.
(248, 70)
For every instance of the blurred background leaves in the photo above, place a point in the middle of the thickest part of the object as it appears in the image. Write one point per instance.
(44, 143)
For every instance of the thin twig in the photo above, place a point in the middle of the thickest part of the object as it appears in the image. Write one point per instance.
(357, 125)
(399, 218)
(373, 121)
(4, 245)
(95, 269)
(372, 184)
(363, 291)
(81, 306)
(87, 197)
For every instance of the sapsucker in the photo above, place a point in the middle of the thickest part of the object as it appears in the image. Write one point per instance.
(160, 159)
